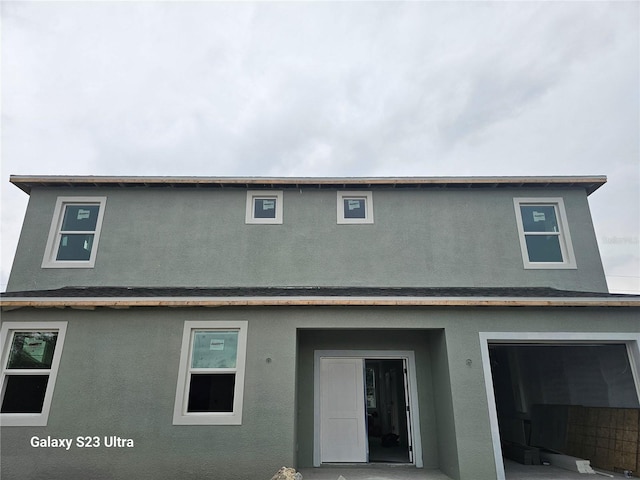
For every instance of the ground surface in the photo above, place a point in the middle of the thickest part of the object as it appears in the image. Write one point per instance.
(513, 471)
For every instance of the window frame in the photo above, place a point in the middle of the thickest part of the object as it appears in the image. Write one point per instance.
(564, 235)
(55, 233)
(355, 194)
(253, 195)
(7, 334)
(180, 414)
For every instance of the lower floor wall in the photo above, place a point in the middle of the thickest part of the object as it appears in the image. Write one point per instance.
(112, 408)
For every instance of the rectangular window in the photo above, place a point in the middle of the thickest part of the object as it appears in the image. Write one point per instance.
(74, 232)
(30, 358)
(264, 207)
(545, 241)
(211, 375)
(355, 207)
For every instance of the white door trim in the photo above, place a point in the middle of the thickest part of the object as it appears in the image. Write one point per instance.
(631, 340)
(409, 355)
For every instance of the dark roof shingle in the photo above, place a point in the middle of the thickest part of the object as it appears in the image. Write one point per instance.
(178, 292)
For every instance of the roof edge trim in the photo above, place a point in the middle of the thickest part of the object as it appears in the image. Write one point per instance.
(26, 182)
(121, 302)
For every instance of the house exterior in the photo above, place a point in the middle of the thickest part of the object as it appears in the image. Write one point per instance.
(197, 327)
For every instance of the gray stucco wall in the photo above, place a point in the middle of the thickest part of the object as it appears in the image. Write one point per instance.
(197, 237)
(119, 369)
(443, 404)
(118, 376)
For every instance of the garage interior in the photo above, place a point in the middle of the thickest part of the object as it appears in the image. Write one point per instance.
(578, 400)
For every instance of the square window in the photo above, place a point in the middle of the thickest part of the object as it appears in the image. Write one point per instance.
(211, 374)
(74, 232)
(545, 241)
(29, 369)
(355, 207)
(264, 207)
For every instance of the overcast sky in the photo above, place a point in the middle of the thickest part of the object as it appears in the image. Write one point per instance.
(328, 89)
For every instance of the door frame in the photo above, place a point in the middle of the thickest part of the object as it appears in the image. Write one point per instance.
(631, 340)
(408, 355)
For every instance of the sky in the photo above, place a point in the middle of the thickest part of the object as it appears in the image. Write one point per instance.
(327, 89)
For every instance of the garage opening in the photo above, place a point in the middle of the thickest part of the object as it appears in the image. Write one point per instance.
(574, 399)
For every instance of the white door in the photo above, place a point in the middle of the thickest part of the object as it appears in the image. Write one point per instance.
(343, 435)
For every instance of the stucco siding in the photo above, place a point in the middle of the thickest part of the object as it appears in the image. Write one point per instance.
(197, 237)
(118, 376)
(119, 370)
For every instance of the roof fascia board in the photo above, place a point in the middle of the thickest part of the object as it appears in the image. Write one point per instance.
(26, 182)
(125, 302)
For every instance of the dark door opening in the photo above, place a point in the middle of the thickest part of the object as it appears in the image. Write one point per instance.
(388, 424)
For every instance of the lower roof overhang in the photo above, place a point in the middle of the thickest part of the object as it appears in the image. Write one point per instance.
(128, 297)
(309, 301)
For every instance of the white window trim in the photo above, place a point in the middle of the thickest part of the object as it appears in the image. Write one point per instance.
(250, 212)
(51, 250)
(566, 246)
(343, 195)
(6, 333)
(180, 414)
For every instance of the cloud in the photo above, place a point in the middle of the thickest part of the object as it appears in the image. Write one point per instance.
(351, 88)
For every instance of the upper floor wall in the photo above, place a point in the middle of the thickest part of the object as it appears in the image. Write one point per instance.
(306, 234)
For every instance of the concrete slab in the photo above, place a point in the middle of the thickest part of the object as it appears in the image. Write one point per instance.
(513, 471)
(372, 472)
(516, 471)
